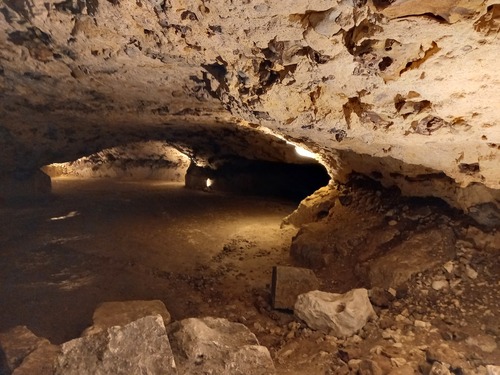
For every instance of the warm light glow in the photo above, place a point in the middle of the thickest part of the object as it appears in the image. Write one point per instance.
(209, 182)
(306, 153)
(71, 214)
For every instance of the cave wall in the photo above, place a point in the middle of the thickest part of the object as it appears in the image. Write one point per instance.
(142, 160)
(406, 90)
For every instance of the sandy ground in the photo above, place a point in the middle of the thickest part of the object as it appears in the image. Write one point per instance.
(103, 240)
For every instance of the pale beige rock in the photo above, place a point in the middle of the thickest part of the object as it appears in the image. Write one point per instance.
(140, 347)
(215, 345)
(341, 314)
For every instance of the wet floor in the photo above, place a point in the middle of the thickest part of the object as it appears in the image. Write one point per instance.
(104, 240)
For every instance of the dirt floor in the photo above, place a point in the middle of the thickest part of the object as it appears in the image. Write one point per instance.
(211, 254)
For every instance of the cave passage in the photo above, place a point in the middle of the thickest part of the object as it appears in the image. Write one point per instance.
(109, 240)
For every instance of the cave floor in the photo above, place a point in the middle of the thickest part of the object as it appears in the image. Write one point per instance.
(211, 254)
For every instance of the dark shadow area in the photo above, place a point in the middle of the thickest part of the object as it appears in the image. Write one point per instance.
(251, 177)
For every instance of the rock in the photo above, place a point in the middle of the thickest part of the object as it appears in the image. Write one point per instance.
(218, 346)
(428, 249)
(493, 370)
(17, 344)
(439, 369)
(24, 185)
(342, 314)
(288, 283)
(440, 284)
(484, 342)
(470, 272)
(404, 370)
(380, 297)
(314, 207)
(41, 361)
(110, 314)
(309, 245)
(369, 367)
(140, 347)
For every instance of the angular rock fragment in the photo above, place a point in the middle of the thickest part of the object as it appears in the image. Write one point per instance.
(17, 343)
(288, 283)
(341, 314)
(120, 313)
(40, 362)
(218, 346)
(140, 347)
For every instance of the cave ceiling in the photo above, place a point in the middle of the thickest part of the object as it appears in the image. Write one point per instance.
(404, 90)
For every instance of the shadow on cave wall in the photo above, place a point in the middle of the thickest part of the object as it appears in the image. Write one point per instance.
(254, 177)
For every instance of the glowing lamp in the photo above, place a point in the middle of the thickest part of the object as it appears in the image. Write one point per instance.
(305, 153)
(209, 182)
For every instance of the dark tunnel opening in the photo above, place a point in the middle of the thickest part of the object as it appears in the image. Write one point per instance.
(261, 178)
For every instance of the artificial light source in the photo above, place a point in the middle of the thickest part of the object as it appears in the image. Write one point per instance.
(209, 182)
(305, 153)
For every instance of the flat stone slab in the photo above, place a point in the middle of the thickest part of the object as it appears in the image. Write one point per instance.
(120, 313)
(288, 283)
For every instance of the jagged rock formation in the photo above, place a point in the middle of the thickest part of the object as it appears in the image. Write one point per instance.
(404, 91)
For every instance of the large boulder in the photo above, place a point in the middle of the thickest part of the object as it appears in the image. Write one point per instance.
(120, 313)
(218, 346)
(140, 347)
(339, 314)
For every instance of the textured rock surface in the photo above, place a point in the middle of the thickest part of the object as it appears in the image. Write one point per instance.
(120, 313)
(406, 89)
(288, 283)
(214, 345)
(41, 361)
(143, 160)
(341, 314)
(419, 253)
(140, 347)
(17, 344)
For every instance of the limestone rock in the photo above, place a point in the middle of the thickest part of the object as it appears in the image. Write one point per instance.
(140, 347)
(439, 368)
(41, 361)
(218, 346)
(340, 314)
(493, 370)
(120, 313)
(427, 249)
(18, 343)
(288, 283)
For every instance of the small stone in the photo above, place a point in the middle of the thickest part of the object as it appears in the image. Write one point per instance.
(470, 272)
(440, 284)
(484, 342)
(449, 266)
(369, 367)
(493, 370)
(439, 369)
(421, 324)
(398, 362)
(393, 223)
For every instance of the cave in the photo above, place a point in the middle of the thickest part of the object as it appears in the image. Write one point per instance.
(312, 186)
